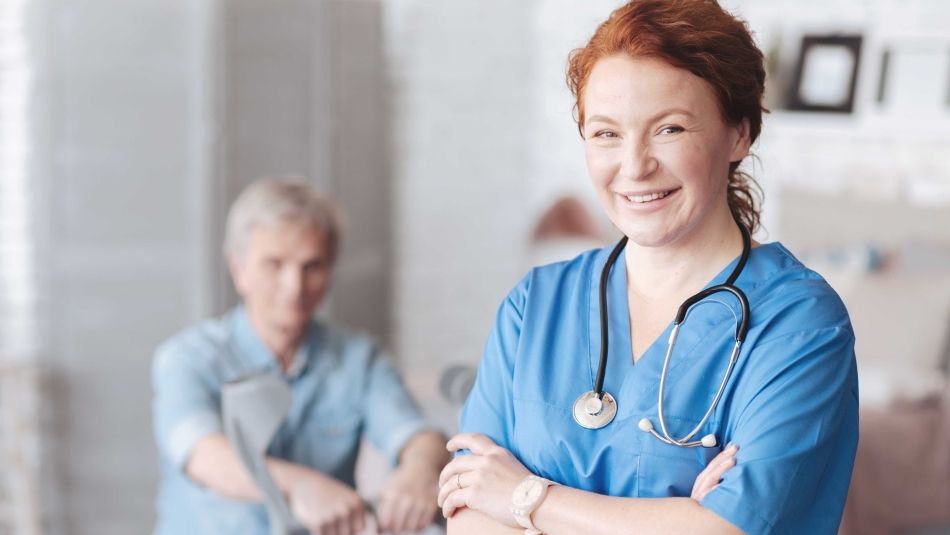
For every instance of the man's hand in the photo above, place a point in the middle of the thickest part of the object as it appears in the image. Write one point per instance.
(325, 506)
(408, 500)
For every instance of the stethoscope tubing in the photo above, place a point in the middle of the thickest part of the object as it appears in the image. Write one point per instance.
(604, 336)
(742, 327)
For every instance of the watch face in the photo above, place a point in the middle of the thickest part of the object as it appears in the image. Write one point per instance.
(527, 493)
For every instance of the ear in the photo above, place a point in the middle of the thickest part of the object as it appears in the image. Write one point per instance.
(236, 268)
(740, 149)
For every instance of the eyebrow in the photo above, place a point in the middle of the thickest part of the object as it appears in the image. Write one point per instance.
(663, 113)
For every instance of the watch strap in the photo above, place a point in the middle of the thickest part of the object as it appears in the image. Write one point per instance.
(523, 517)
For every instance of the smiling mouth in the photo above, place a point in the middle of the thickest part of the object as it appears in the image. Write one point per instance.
(650, 197)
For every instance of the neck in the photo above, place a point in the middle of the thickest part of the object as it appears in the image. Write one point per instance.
(685, 266)
(281, 341)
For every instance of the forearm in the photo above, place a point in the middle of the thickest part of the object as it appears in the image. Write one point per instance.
(467, 521)
(568, 511)
(215, 465)
(425, 450)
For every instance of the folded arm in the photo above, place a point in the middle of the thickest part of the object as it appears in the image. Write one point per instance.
(322, 504)
(567, 511)
(476, 491)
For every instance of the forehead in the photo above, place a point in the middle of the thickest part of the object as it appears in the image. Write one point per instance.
(624, 83)
(287, 238)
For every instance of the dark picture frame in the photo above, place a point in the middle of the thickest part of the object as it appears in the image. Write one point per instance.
(826, 75)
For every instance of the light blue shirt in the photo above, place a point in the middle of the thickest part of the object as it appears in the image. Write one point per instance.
(791, 403)
(343, 387)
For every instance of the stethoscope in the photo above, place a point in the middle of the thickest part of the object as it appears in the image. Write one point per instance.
(597, 408)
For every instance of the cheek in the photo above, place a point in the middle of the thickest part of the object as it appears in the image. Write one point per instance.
(599, 166)
(317, 283)
(701, 166)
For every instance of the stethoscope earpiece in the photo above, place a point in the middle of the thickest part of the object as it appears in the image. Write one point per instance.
(708, 441)
(597, 408)
(645, 425)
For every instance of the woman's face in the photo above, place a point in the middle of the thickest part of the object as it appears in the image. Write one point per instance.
(658, 149)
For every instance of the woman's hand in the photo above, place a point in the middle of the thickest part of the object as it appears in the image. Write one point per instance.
(483, 481)
(710, 477)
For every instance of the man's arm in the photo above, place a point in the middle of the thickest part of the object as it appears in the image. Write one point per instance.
(319, 502)
(215, 465)
(425, 451)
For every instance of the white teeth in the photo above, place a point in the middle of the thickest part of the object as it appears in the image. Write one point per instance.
(647, 198)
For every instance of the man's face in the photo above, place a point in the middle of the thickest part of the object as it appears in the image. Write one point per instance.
(282, 274)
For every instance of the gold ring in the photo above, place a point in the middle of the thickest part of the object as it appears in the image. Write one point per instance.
(458, 480)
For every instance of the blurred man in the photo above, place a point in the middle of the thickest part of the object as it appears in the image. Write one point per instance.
(281, 243)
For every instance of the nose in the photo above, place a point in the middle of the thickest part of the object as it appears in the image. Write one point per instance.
(292, 280)
(637, 161)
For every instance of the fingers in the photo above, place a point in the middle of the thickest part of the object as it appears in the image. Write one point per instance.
(386, 512)
(329, 528)
(417, 516)
(358, 520)
(347, 521)
(455, 501)
(451, 485)
(710, 477)
(401, 514)
(466, 463)
(424, 515)
(475, 442)
(405, 514)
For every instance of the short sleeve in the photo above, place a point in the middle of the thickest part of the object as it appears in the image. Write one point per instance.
(489, 409)
(797, 434)
(184, 407)
(391, 415)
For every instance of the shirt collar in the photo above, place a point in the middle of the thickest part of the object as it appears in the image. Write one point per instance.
(254, 356)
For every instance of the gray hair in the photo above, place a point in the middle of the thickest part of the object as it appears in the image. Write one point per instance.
(270, 200)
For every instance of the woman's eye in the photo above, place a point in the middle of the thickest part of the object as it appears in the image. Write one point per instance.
(667, 130)
(605, 134)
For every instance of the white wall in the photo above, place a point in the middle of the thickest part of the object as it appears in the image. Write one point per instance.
(128, 147)
(464, 81)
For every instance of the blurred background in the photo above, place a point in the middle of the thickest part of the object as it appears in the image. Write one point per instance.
(444, 129)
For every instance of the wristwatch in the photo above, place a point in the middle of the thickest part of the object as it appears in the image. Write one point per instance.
(526, 498)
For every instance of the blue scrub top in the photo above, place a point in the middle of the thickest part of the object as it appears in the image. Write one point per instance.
(791, 403)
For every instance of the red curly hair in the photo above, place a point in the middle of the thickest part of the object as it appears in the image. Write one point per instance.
(702, 38)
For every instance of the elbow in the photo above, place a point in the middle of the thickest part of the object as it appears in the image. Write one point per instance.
(208, 466)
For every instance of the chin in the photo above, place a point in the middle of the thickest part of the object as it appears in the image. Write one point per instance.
(296, 320)
(647, 235)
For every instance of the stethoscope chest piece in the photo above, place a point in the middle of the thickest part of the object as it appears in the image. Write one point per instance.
(593, 412)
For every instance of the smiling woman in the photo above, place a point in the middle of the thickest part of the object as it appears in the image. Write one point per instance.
(668, 103)
(658, 150)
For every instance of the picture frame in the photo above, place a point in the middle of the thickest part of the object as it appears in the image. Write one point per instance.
(826, 75)
(914, 77)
